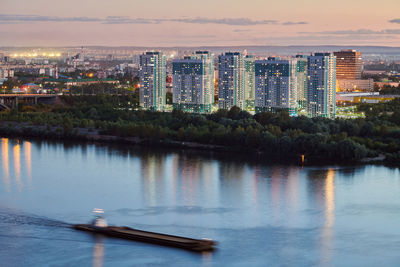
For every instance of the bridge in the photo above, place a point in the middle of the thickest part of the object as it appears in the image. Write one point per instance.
(8, 101)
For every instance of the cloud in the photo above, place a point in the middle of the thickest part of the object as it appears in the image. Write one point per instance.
(395, 21)
(225, 21)
(241, 30)
(198, 20)
(35, 18)
(14, 18)
(294, 23)
(356, 32)
(128, 20)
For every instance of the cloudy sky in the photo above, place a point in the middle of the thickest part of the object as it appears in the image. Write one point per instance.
(199, 22)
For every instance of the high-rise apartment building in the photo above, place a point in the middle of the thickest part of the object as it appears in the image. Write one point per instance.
(249, 82)
(348, 65)
(276, 85)
(152, 81)
(301, 74)
(321, 89)
(193, 83)
(231, 84)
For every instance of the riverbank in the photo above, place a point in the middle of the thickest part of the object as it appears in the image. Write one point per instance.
(83, 134)
(273, 135)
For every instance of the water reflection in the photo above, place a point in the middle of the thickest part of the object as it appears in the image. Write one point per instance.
(17, 165)
(292, 188)
(206, 258)
(152, 172)
(327, 230)
(16, 169)
(28, 160)
(232, 185)
(259, 213)
(188, 174)
(98, 251)
(4, 157)
(322, 189)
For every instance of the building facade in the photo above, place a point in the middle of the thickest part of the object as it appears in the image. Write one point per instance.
(365, 85)
(301, 75)
(152, 81)
(348, 65)
(6, 72)
(249, 82)
(321, 87)
(276, 85)
(193, 83)
(231, 84)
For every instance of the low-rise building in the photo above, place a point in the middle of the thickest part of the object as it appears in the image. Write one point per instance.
(79, 82)
(355, 85)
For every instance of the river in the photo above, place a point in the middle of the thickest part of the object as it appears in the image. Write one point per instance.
(261, 214)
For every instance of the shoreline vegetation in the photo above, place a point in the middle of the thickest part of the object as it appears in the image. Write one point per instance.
(276, 136)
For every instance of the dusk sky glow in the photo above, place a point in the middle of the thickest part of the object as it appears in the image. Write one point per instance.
(193, 23)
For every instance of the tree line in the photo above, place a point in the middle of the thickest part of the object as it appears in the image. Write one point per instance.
(273, 135)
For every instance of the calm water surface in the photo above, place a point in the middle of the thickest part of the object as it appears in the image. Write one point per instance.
(261, 214)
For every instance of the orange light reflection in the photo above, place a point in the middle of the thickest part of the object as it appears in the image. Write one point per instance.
(17, 165)
(327, 230)
(5, 162)
(28, 160)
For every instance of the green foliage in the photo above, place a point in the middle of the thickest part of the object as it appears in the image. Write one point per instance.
(276, 135)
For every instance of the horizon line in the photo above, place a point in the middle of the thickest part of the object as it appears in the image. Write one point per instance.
(192, 46)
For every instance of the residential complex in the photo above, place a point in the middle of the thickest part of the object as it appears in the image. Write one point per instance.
(152, 81)
(321, 87)
(301, 83)
(302, 80)
(276, 85)
(249, 82)
(231, 84)
(193, 83)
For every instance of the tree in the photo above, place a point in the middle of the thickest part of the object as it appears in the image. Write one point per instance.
(234, 112)
(348, 150)
(264, 117)
(67, 125)
(367, 129)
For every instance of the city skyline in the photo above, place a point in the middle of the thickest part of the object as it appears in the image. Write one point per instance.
(160, 23)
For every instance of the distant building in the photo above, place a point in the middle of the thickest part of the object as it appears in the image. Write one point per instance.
(79, 82)
(276, 85)
(363, 97)
(249, 81)
(302, 82)
(366, 85)
(348, 65)
(101, 74)
(382, 84)
(231, 85)
(348, 72)
(321, 88)
(6, 72)
(49, 70)
(152, 81)
(193, 83)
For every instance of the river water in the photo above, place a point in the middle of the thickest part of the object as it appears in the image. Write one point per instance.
(261, 214)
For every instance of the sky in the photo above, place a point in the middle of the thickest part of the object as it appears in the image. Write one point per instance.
(200, 22)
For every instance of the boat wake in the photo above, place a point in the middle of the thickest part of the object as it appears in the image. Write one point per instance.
(19, 218)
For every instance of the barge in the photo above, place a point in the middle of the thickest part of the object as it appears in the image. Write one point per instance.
(123, 232)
